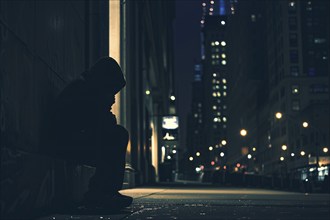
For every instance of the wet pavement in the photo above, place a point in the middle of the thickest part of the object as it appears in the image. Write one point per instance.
(200, 202)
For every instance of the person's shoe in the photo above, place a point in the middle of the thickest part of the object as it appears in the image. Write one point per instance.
(106, 201)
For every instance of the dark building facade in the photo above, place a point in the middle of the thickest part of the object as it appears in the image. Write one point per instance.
(280, 79)
(46, 44)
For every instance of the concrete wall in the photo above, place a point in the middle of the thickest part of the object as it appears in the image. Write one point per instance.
(43, 45)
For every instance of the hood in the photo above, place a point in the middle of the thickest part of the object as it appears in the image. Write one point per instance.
(106, 73)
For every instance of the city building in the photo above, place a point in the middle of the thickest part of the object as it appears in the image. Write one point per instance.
(279, 88)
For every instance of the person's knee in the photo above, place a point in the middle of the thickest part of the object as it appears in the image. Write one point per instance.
(122, 134)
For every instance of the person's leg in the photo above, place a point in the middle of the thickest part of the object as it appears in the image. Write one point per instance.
(110, 168)
(110, 162)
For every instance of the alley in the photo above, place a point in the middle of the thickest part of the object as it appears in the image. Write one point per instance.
(213, 203)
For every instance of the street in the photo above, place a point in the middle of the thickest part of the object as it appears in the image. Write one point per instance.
(206, 202)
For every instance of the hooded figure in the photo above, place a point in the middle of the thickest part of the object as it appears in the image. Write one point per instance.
(85, 130)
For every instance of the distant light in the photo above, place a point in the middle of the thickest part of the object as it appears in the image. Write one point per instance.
(306, 180)
(243, 132)
(174, 151)
(191, 158)
(172, 97)
(284, 147)
(223, 55)
(254, 149)
(204, 4)
(169, 157)
(223, 22)
(148, 92)
(217, 43)
(238, 165)
(325, 150)
(202, 21)
(214, 74)
(212, 163)
(211, 9)
(223, 62)
(198, 169)
(210, 148)
(224, 81)
(292, 4)
(305, 124)
(222, 154)
(292, 154)
(249, 156)
(302, 153)
(223, 43)
(278, 115)
(212, 2)
(281, 158)
(223, 142)
(198, 154)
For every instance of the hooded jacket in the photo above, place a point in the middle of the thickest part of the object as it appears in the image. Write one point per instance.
(81, 110)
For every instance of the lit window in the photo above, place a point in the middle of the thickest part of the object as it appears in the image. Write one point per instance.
(204, 4)
(214, 94)
(212, 2)
(223, 56)
(195, 115)
(224, 81)
(212, 43)
(214, 107)
(215, 119)
(218, 94)
(253, 18)
(211, 9)
(319, 40)
(225, 107)
(295, 89)
(224, 93)
(199, 104)
(202, 21)
(218, 113)
(224, 126)
(292, 4)
(223, 43)
(225, 87)
(295, 105)
(216, 43)
(223, 62)
(224, 119)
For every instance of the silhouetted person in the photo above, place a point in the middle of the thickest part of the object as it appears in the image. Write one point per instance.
(85, 129)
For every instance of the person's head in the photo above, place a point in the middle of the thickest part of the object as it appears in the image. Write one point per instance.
(106, 76)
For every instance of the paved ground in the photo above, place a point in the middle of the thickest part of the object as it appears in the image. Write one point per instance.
(213, 203)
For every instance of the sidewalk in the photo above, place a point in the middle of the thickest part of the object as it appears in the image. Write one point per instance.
(198, 202)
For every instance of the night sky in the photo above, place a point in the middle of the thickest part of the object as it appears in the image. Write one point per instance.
(187, 51)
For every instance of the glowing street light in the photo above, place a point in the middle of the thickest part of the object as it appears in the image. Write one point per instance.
(191, 158)
(284, 147)
(325, 150)
(243, 132)
(148, 92)
(223, 142)
(302, 153)
(278, 115)
(305, 124)
(281, 158)
(210, 148)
